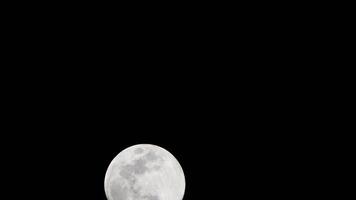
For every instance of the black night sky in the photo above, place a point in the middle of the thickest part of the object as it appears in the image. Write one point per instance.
(232, 140)
(228, 90)
(227, 144)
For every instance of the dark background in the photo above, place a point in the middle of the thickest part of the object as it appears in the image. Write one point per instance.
(231, 140)
(227, 93)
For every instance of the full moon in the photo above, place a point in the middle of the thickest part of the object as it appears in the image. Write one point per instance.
(144, 172)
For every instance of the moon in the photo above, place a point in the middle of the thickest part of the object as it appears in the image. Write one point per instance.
(144, 172)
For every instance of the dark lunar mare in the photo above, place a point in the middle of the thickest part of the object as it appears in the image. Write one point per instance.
(138, 150)
(150, 197)
(151, 156)
(138, 167)
(129, 172)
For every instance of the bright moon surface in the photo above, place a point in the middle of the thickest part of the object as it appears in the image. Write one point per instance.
(144, 172)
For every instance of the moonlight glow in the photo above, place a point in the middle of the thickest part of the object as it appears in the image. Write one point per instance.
(144, 172)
